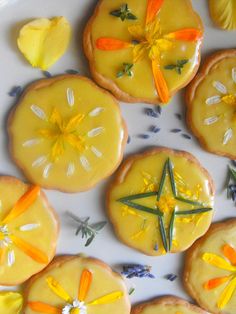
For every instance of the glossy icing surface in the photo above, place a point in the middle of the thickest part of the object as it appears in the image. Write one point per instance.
(201, 272)
(223, 13)
(68, 275)
(141, 84)
(140, 229)
(212, 110)
(37, 226)
(74, 135)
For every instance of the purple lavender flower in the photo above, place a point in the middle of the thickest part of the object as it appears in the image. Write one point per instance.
(137, 270)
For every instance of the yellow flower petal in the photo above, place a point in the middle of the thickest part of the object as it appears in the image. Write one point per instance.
(54, 285)
(75, 141)
(217, 261)
(56, 118)
(57, 149)
(74, 122)
(10, 302)
(47, 134)
(44, 41)
(223, 13)
(139, 52)
(137, 31)
(227, 294)
(109, 298)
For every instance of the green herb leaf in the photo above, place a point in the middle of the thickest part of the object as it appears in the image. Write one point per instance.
(131, 291)
(162, 182)
(171, 229)
(172, 179)
(185, 200)
(90, 240)
(126, 70)
(137, 196)
(181, 63)
(156, 212)
(232, 173)
(170, 67)
(178, 67)
(194, 211)
(98, 226)
(124, 13)
(163, 233)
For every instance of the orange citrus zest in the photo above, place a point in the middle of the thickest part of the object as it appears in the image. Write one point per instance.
(105, 43)
(187, 34)
(160, 82)
(216, 282)
(22, 204)
(30, 250)
(43, 307)
(153, 8)
(230, 253)
(85, 283)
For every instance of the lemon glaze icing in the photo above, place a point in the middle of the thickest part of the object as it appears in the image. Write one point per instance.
(28, 231)
(78, 285)
(164, 47)
(138, 184)
(74, 135)
(223, 13)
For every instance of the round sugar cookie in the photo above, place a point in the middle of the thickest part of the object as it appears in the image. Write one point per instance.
(210, 269)
(77, 285)
(167, 305)
(66, 133)
(211, 102)
(143, 51)
(157, 205)
(28, 231)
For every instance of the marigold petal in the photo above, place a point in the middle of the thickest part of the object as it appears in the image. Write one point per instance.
(160, 82)
(56, 118)
(47, 134)
(22, 204)
(137, 31)
(187, 34)
(216, 282)
(3, 251)
(217, 261)
(139, 52)
(36, 254)
(75, 141)
(54, 285)
(153, 8)
(74, 122)
(105, 43)
(227, 294)
(85, 283)
(230, 253)
(109, 298)
(10, 302)
(57, 149)
(43, 308)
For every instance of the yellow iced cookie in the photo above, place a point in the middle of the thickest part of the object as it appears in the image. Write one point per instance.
(156, 205)
(223, 13)
(10, 302)
(210, 269)
(67, 134)
(167, 305)
(44, 41)
(77, 285)
(211, 103)
(28, 231)
(146, 50)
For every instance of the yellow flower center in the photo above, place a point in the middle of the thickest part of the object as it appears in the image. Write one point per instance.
(166, 203)
(229, 99)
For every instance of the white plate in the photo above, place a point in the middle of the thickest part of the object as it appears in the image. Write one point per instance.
(14, 70)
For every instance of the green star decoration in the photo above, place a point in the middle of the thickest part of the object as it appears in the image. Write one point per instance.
(166, 235)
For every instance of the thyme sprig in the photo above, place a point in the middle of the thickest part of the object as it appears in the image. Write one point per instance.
(178, 67)
(124, 13)
(87, 230)
(126, 70)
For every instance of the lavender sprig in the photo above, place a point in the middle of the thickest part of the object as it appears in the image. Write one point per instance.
(137, 270)
(171, 277)
(231, 188)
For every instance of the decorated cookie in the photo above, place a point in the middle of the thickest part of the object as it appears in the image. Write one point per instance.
(139, 51)
(167, 305)
(77, 285)
(157, 205)
(10, 302)
(66, 133)
(210, 269)
(211, 104)
(28, 231)
(223, 13)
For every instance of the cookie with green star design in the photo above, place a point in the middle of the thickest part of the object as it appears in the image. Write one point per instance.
(161, 201)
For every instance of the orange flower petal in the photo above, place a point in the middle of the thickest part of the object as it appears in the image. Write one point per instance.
(30, 250)
(153, 8)
(85, 283)
(2, 254)
(23, 204)
(216, 282)
(105, 43)
(230, 253)
(160, 82)
(187, 34)
(43, 308)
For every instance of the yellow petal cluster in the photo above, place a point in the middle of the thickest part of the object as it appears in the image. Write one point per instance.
(10, 302)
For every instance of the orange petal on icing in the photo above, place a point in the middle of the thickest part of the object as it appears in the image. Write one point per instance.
(160, 82)
(216, 282)
(153, 8)
(105, 43)
(187, 34)
(30, 250)
(230, 253)
(2, 254)
(23, 204)
(85, 283)
(43, 308)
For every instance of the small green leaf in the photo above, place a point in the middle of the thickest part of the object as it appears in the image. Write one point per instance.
(170, 67)
(98, 226)
(163, 178)
(185, 200)
(232, 173)
(120, 74)
(194, 211)
(163, 233)
(131, 16)
(115, 13)
(131, 291)
(178, 70)
(181, 63)
(172, 179)
(124, 13)
(90, 240)
(171, 230)
(146, 209)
